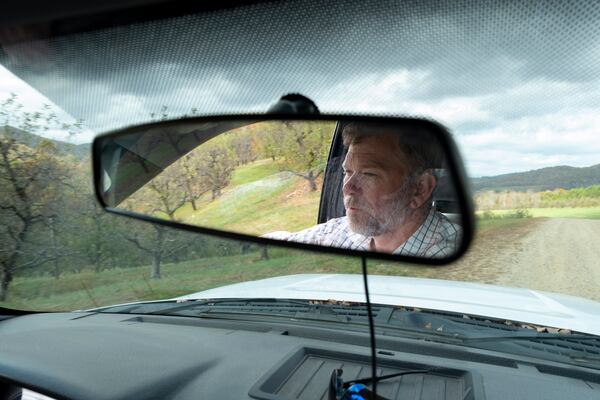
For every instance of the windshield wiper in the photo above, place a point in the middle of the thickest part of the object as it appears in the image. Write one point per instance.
(581, 349)
(291, 308)
(527, 336)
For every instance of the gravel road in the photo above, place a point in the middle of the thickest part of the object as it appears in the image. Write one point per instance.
(560, 255)
(554, 255)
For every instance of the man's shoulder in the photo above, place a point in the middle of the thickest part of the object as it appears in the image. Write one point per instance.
(447, 236)
(444, 223)
(436, 237)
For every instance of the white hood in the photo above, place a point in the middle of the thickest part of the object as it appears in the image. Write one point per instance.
(522, 305)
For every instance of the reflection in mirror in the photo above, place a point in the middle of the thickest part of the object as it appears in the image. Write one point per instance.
(375, 186)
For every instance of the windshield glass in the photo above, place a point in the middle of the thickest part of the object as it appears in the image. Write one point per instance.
(518, 89)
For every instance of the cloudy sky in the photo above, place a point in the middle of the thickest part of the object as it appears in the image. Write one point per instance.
(517, 84)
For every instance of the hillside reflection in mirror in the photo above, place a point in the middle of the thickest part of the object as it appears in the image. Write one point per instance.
(363, 185)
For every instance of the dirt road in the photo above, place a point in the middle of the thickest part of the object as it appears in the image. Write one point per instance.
(560, 255)
(555, 255)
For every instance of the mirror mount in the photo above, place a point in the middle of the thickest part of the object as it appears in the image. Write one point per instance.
(294, 103)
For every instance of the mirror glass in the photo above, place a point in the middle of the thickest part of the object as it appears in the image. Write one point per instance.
(384, 186)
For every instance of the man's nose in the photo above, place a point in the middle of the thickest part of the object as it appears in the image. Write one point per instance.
(351, 185)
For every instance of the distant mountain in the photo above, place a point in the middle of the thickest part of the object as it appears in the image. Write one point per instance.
(79, 151)
(541, 179)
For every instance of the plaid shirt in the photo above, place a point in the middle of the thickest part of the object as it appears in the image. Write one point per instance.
(437, 237)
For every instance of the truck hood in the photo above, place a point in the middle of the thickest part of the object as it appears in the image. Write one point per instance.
(522, 305)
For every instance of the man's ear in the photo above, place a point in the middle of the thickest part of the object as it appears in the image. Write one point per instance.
(424, 187)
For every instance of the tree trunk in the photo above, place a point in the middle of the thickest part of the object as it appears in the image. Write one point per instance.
(98, 259)
(244, 248)
(191, 194)
(158, 250)
(56, 269)
(5, 278)
(312, 180)
(156, 258)
(264, 253)
(113, 261)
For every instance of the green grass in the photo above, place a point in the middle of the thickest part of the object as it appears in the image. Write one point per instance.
(254, 171)
(488, 224)
(88, 289)
(563, 212)
(567, 212)
(260, 200)
(121, 285)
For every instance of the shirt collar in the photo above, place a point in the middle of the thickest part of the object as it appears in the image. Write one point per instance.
(418, 237)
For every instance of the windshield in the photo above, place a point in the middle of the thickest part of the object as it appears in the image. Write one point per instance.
(518, 89)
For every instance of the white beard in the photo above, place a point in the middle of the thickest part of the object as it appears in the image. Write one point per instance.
(393, 213)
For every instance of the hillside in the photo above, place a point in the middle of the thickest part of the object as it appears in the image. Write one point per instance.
(79, 151)
(549, 178)
(541, 179)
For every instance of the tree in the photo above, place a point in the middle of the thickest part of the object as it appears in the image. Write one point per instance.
(154, 247)
(30, 182)
(215, 168)
(162, 196)
(195, 187)
(305, 148)
(244, 149)
(95, 241)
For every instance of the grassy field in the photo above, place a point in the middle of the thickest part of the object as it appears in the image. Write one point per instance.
(259, 200)
(89, 289)
(253, 172)
(121, 285)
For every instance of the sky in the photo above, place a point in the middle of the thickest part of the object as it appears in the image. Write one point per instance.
(517, 83)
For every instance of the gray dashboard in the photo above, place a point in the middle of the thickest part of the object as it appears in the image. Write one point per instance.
(116, 356)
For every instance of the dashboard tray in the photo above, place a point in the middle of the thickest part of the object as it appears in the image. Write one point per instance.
(305, 375)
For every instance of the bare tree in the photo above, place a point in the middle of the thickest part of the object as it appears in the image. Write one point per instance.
(244, 149)
(30, 180)
(162, 196)
(194, 185)
(215, 168)
(304, 146)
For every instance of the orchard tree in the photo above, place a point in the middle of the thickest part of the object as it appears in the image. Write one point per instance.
(215, 168)
(304, 146)
(161, 197)
(31, 182)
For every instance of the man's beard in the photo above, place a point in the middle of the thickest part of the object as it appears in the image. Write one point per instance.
(392, 214)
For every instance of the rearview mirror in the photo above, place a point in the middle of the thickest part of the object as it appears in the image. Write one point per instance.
(390, 188)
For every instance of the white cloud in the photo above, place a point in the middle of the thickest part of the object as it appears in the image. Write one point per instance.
(393, 93)
(527, 126)
(534, 142)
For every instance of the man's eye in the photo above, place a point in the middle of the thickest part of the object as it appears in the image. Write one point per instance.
(370, 174)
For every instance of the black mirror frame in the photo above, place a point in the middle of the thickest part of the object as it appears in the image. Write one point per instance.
(454, 160)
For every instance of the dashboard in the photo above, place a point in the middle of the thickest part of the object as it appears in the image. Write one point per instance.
(83, 355)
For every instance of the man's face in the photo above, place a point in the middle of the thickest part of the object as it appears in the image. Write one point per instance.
(377, 190)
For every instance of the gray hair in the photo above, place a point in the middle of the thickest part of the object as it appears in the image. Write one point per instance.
(421, 146)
